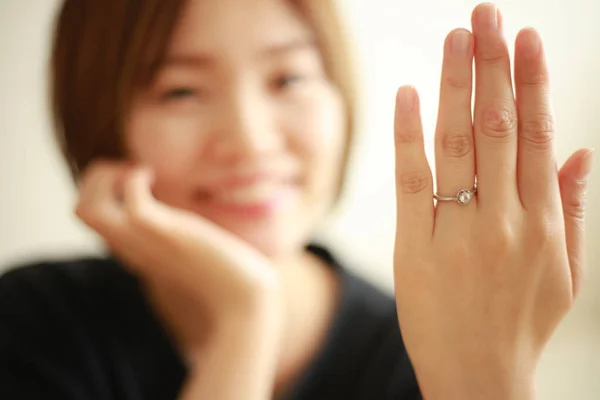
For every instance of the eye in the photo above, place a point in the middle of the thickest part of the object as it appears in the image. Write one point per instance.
(288, 80)
(179, 94)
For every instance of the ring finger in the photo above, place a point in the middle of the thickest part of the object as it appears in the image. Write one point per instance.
(454, 144)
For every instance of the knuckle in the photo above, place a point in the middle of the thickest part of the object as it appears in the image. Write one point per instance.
(534, 79)
(413, 182)
(491, 54)
(457, 145)
(499, 122)
(575, 207)
(500, 239)
(538, 131)
(542, 234)
(408, 135)
(140, 216)
(457, 81)
(89, 215)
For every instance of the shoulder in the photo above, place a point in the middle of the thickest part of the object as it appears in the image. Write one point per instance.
(80, 328)
(82, 291)
(62, 280)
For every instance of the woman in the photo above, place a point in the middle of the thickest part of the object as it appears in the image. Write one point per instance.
(208, 138)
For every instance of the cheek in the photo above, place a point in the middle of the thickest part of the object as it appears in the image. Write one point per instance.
(165, 142)
(170, 145)
(319, 128)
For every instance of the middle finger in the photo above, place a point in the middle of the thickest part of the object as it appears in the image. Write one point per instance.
(495, 120)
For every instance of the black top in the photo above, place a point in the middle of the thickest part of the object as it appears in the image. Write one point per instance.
(83, 330)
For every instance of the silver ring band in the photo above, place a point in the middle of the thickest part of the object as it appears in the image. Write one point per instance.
(462, 197)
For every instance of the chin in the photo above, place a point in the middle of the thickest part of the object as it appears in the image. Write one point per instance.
(274, 240)
(278, 227)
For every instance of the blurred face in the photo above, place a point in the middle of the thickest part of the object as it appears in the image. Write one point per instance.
(242, 125)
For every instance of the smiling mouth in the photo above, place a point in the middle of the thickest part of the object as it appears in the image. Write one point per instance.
(260, 192)
(255, 193)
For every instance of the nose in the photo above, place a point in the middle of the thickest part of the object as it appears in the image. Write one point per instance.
(247, 128)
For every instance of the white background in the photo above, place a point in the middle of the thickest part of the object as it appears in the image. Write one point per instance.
(398, 42)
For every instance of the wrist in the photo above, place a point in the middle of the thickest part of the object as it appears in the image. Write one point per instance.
(256, 301)
(260, 311)
(255, 323)
(258, 335)
(476, 386)
(492, 392)
(238, 359)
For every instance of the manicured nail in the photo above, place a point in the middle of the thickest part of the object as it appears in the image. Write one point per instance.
(460, 43)
(487, 16)
(405, 99)
(586, 164)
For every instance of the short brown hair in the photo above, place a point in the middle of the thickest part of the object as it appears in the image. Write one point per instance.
(103, 51)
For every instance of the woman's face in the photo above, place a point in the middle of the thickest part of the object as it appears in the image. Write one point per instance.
(242, 125)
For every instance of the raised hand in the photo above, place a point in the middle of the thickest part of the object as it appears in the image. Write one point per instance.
(481, 286)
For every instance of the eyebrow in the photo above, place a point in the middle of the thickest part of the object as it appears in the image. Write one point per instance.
(306, 43)
(206, 61)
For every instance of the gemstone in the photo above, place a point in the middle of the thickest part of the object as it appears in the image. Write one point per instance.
(464, 196)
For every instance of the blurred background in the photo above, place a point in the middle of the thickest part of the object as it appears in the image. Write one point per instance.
(396, 42)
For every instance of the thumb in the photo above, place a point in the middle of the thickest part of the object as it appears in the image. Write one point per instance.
(573, 184)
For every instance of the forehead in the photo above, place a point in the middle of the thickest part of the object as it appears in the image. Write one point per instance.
(240, 26)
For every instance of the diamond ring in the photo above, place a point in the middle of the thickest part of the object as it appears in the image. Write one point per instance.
(462, 197)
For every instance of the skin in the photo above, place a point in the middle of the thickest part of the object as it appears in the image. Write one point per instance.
(231, 287)
(247, 94)
(480, 288)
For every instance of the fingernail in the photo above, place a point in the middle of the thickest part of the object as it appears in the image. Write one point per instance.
(587, 163)
(530, 43)
(487, 16)
(405, 99)
(460, 43)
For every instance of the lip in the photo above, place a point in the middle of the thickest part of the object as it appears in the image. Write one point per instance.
(260, 209)
(235, 182)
